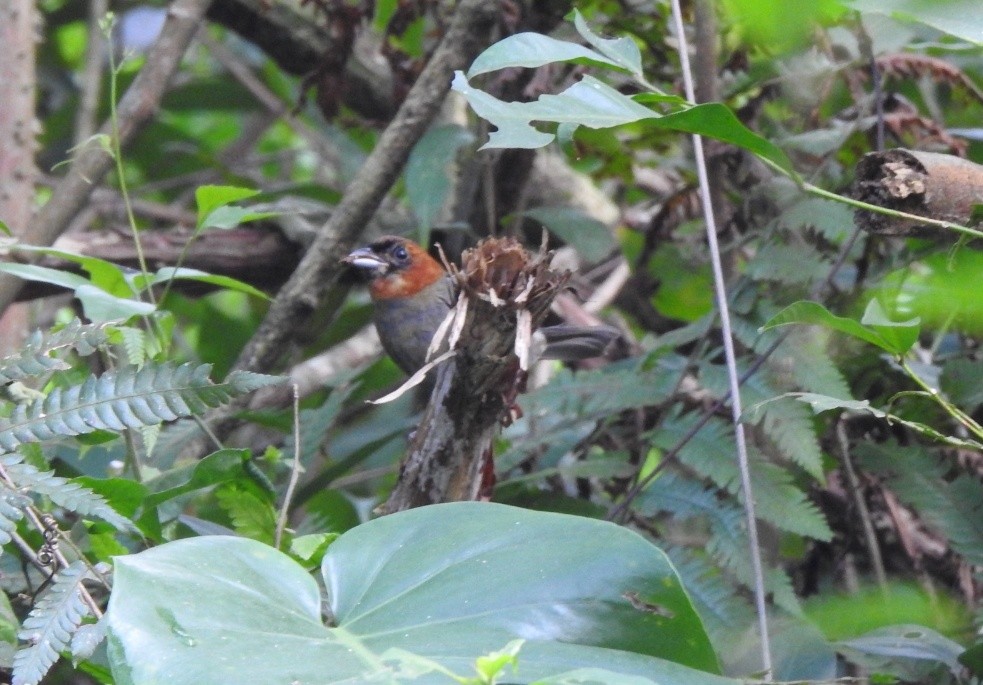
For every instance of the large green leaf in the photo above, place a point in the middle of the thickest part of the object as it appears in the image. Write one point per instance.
(168, 273)
(533, 50)
(429, 171)
(496, 573)
(446, 584)
(594, 104)
(875, 328)
(960, 18)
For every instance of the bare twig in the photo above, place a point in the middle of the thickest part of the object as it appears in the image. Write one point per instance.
(281, 523)
(135, 109)
(873, 548)
(91, 86)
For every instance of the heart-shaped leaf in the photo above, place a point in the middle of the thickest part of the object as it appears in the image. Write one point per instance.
(441, 585)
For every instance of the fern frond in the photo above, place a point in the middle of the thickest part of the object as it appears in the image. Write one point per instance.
(65, 493)
(789, 425)
(832, 220)
(786, 423)
(778, 501)
(134, 344)
(728, 542)
(33, 358)
(563, 410)
(87, 638)
(124, 398)
(252, 517)
(788, 263)
(150, 435)
(50, 625)
(12, 505)
(725, 613)
(954, 508)
(602, 392)
(811, 366)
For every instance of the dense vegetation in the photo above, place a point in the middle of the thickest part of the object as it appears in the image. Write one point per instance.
(192, 450)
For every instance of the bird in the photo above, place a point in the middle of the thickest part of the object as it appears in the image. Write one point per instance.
(412, 294)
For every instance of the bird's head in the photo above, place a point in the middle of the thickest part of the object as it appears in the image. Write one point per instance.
(395, 267)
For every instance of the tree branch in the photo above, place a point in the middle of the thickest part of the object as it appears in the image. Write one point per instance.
(320, 269)
(135, 109)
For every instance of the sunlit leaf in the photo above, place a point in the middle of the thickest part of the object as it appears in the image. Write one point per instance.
(533, 50)
(893, 337)
(210, 198)
(622, 51)
(594, 104)
(960, 18)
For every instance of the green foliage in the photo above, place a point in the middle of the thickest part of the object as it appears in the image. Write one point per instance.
(429, 174)
(956, 17)
(128, 398)
(401, 597)
(913, 652)
(34, 358)
(49, 627)
(559, 599)
(952, 506)
(875, 327)
(63, 492)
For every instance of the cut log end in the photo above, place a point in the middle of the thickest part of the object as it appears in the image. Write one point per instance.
(929, 184)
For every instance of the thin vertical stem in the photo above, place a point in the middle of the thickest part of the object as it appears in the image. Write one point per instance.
(281, 524)
(720, 290)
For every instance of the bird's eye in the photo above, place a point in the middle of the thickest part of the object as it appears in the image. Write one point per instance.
(400, 253)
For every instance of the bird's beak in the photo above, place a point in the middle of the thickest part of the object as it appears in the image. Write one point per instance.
(365, 259)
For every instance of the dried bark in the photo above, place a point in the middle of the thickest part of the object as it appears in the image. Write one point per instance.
(18, 135)
(929, 184)
(450, 453)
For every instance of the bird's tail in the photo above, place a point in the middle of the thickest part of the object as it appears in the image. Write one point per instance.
(567, 342)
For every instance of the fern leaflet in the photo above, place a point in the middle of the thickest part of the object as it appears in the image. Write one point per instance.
(778, 500)
(954, 508)
(50, 625)
(12, 506)
(65, 493)
(33, 359)
(124, 398)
